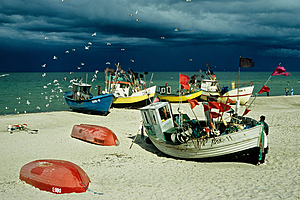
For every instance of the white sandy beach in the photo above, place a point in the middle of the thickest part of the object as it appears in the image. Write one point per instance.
(143, 172)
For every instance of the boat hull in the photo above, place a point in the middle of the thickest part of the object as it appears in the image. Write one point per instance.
(177, 98)
(95, 134)
(56, 176)
(214, 148)
(243, 95)
(97, 105)
(136, 100)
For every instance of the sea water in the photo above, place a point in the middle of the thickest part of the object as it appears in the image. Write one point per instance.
(43, 92)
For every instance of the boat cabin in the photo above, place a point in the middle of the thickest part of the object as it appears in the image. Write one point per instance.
(164, 90)
(158, 118)
(121, 89)
(81, 91)
(209, 85)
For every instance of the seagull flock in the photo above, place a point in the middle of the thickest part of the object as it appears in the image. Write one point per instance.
(53, 91)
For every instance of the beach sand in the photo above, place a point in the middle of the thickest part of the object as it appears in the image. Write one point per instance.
(143, 172)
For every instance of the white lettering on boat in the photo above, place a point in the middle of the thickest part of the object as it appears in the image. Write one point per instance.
(96, 101)
(56, 190)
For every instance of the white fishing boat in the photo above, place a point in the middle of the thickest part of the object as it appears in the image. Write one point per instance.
(180, 136)
(129, 88)
(211, 89)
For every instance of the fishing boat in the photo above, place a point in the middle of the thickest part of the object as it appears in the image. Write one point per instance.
(80, 99)
(211, 90)
(179, 136)
(95, 134)
(164, 93)
(129, 88)
(56, 176)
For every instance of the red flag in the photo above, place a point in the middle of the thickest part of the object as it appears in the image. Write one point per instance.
(224, 107)
(228, 101)
(193, 102)
(264, 89)
(214, 115)
(184, 81)
(280, 71)
(246, 62)
(214, 105)
(206, 107)
(246, 111)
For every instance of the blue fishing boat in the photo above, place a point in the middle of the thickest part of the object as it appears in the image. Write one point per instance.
(81, 100)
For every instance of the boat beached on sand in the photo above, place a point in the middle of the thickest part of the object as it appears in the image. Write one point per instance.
(82, 100)
(211, 91)
(95, 134)
(164, 94)
(183, 95)
(129, 88)
(180, 136)
(56, 176)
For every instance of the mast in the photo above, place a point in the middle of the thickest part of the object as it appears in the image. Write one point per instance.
(238, 90)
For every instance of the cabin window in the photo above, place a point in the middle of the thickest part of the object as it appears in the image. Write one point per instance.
(169, 90)
(164, 113)
(154, 119)
(85, 90)
(146, 118)
(162, 90)
(124, 86)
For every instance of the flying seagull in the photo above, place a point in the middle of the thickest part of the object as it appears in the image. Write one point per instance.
(94, 34)
(44, 65)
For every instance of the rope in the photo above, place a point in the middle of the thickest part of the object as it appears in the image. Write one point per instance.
(86, 187)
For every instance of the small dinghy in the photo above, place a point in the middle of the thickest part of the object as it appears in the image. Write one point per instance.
(95, 134)
(56, 176)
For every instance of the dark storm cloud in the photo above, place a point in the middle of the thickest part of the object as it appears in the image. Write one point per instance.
(260, 28)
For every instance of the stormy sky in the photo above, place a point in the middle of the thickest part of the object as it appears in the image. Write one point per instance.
(151, 35)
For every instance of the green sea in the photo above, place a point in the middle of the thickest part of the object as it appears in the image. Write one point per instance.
(43, 92)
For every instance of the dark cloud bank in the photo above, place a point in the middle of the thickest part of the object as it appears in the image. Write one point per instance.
(217, 32)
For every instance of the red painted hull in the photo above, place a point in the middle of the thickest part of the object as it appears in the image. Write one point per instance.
(95, 134)
(56, 176)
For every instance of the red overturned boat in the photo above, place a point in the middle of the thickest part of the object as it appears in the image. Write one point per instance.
(56, 176)
(95, 134)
